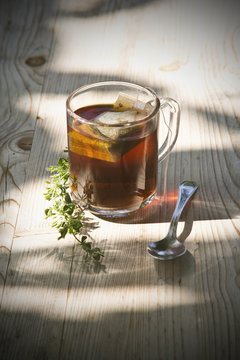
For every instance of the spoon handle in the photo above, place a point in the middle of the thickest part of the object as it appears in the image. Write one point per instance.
(186, 191)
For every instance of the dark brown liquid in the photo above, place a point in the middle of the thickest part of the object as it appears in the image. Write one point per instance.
(112, 174)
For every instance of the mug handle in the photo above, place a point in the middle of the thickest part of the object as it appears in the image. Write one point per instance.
(172, 108)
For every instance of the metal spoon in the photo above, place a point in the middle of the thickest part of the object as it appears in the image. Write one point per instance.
(169, 247)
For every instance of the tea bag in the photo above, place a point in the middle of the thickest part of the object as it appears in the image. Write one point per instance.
(101, 142)
(127, 111)
(85, 142)
(116, 118)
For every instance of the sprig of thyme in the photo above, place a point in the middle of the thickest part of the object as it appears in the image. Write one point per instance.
(68, 217)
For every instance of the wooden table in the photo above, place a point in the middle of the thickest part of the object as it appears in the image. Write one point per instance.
(55, 306)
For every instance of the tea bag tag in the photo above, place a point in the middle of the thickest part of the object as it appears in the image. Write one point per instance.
(126, 102)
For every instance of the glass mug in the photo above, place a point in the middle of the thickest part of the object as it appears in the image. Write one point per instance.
(113, 145)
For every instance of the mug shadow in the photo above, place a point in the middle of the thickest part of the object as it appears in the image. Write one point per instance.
(216, 197)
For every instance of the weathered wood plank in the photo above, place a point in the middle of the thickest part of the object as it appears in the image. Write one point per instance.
(131, 306)
(33, 308)
(26, 36)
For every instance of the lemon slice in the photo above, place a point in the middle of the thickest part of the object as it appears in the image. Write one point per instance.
(84, 142)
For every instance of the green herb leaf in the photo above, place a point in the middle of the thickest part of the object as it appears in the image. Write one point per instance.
(68, 216)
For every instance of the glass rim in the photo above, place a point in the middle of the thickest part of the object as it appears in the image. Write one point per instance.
(112, 82)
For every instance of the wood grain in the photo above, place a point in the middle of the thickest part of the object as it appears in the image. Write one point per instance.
(129, 306)
(25, 45)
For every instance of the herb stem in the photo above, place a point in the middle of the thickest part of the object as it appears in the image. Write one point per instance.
(67, 216)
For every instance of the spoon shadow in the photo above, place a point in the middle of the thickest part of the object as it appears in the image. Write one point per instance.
(180, 270)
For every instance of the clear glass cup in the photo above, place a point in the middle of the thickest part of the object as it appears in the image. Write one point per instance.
(113, 145)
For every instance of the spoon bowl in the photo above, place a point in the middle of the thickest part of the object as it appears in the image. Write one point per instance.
(170, 248)
(166, 249)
